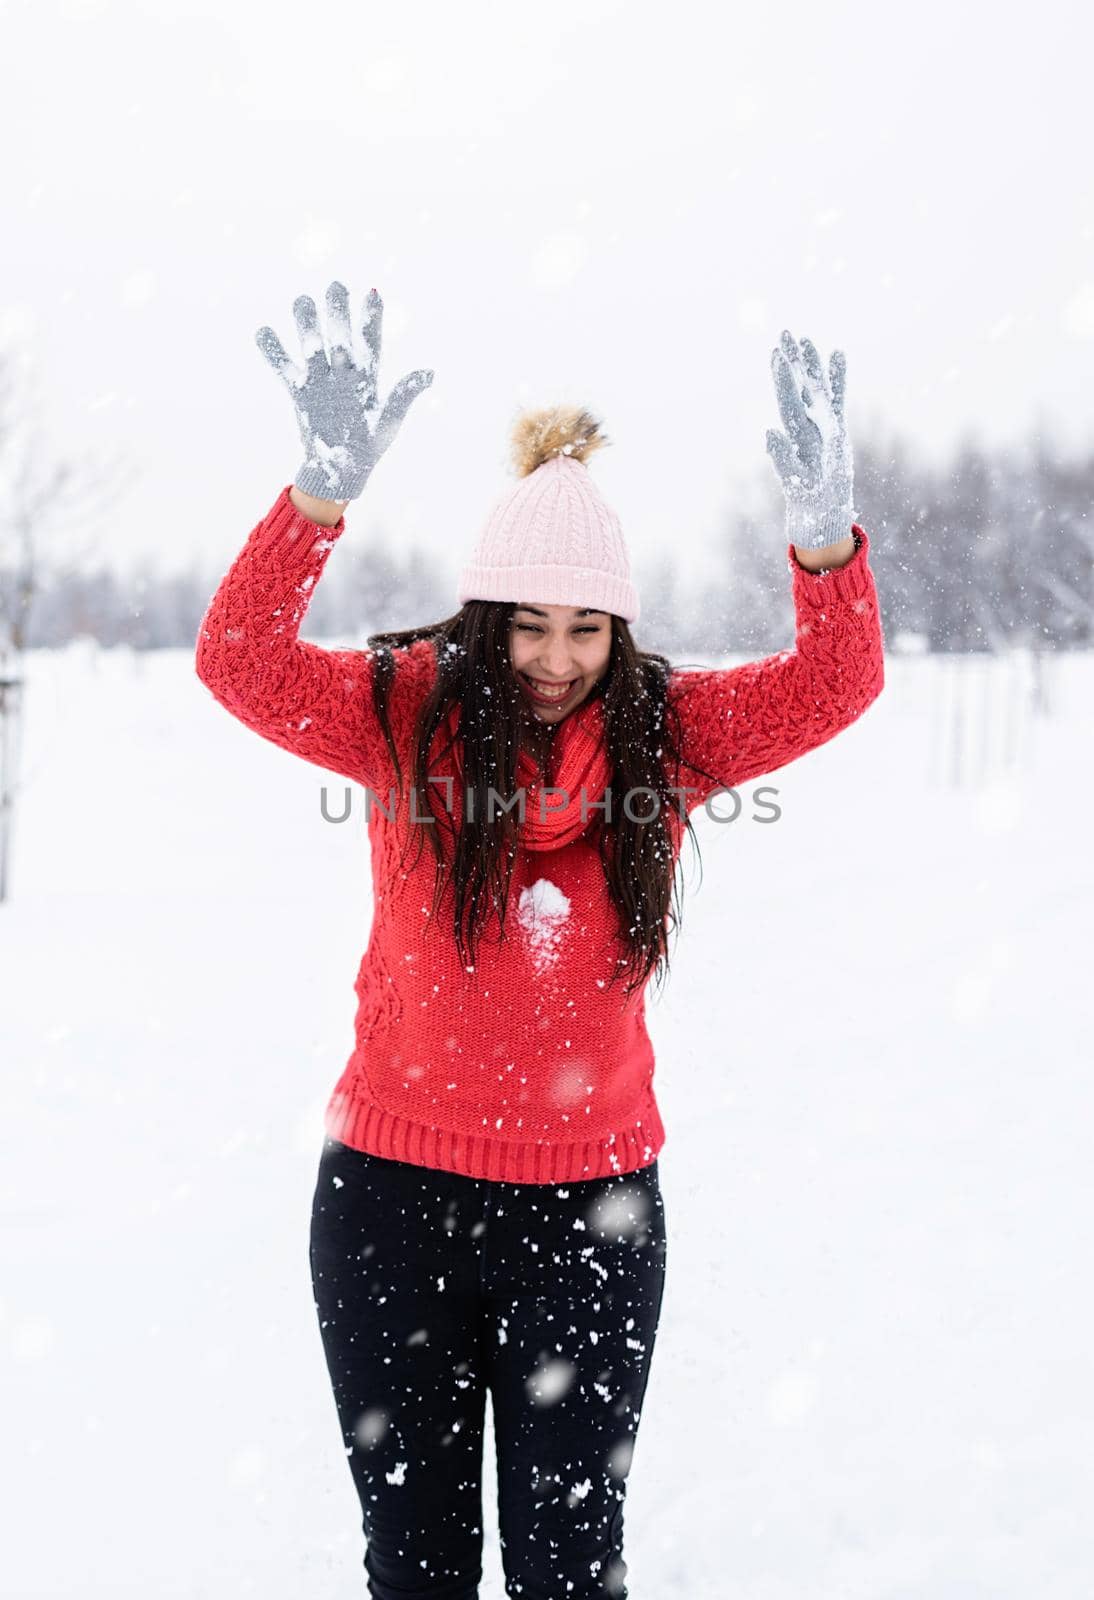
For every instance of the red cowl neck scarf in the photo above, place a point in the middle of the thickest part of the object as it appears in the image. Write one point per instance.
(580, 767)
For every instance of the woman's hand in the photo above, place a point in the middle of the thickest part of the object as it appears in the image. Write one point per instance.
(813, 458)
(342, 428)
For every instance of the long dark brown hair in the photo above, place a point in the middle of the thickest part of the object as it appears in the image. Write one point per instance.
(642, 733)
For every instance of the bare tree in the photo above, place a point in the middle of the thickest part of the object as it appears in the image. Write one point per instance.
(47, 500)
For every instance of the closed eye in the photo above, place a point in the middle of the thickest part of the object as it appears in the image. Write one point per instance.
(530, 627)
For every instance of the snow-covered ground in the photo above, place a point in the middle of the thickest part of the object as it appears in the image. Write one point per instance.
(873, 1375)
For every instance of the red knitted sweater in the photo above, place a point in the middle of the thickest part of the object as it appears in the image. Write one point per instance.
(528, 1068)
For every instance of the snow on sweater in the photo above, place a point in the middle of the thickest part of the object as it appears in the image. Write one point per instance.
(527, 1068)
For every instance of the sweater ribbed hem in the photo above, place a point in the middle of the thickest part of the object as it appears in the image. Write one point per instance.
(355, 1121)
(286, 530)
(850, 582)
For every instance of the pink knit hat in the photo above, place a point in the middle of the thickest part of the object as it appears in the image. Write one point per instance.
(553, 539)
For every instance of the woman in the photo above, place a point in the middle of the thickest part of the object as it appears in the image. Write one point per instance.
(487, 1213)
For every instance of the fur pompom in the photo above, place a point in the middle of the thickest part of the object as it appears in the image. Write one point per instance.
(554, 431)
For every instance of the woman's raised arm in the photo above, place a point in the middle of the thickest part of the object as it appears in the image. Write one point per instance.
(316, 703)
(741, 722)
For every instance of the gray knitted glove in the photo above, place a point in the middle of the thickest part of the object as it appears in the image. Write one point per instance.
(813, 458)
(343, 431)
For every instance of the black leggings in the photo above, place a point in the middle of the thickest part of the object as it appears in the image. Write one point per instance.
(431, 1288)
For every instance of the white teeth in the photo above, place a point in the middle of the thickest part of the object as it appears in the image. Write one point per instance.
(550, 694)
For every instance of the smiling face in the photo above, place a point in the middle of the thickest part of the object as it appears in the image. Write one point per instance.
(558, 648)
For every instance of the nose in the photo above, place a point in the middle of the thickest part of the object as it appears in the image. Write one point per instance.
(555, 663)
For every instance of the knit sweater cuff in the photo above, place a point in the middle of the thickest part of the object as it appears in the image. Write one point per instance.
(850, 582)
(287, 532)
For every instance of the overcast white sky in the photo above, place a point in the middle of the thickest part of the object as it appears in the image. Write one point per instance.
(618, 204)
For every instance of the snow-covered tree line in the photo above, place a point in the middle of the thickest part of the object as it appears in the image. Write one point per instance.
(991, 548)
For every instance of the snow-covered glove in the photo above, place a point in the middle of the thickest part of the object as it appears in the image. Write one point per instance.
(343, 430)
(813, 457)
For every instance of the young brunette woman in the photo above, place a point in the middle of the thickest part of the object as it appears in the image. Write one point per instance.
(487, 1214)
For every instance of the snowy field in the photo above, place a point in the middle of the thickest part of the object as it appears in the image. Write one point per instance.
(873, 1375)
